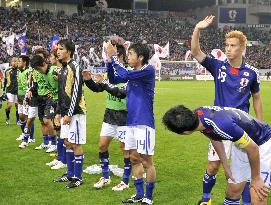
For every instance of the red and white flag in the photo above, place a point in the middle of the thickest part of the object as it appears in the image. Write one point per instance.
(162, 52)
(9, 44)
(155, 62)
(218, 54)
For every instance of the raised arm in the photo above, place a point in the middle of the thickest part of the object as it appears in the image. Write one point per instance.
(195, 45)
(145, 72)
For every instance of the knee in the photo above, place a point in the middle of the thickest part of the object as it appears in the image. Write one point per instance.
(46, 122)
(103, 147)
(135, 159)
(234, 192)
(213, 167)
(147, 162)
(67, 144)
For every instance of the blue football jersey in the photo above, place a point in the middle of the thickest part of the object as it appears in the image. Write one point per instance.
(224, 123)
(233, 86)
(140, 91)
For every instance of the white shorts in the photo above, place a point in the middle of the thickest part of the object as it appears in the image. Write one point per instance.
(12, 98)
(75, 132)
(212, 155)
(33, 112)
(240, 166)
(117, 132)
(22, 109)
(140, 138)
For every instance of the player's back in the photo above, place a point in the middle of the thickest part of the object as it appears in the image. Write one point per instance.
(224, 120)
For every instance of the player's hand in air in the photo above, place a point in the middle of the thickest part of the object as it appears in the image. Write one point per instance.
(205, 23)
(86, 75)
(99, 77)
(111, 50)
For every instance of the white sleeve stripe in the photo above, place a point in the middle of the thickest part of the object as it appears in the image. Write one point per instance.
(144, 67)
(74, 97)
(73, 100)
(216, 128)
(75, 91)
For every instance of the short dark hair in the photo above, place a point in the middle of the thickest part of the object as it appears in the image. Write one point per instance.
(37, 61)
(121, 51)
(180, 119)
(42, 51)
(25, 59)
(141, 50)
(69, 45)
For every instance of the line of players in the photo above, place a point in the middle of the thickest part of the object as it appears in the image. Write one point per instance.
(52, 90)
(234, 79)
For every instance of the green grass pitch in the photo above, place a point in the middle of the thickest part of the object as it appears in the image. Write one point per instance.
(180, 161)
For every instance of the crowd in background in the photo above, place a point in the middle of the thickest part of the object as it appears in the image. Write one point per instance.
(92, 28)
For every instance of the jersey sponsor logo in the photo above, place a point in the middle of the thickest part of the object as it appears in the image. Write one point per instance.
(222, 76)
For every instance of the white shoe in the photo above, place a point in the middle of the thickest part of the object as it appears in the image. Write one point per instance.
(52, 148)
(59, 165)
(23, 145)
(147, 201)
(31, 140)
(120, 187)
(102, 182)
(42, 146)
(21, 137)
(52, 163)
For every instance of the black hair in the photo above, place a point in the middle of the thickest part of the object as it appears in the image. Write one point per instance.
(141, 50)
(121, 51)
(180, 119)
(25, 59)
(42, 52)
(37, 61)
(68, 44)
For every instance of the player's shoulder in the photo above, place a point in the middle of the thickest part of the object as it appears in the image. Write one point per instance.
(252, 68)
(148, 67)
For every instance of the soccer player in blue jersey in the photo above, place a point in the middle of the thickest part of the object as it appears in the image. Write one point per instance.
(140, 136)
(251, 152)
(235, 83)
(113, 124)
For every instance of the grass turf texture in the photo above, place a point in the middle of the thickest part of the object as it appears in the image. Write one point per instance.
(180, 161)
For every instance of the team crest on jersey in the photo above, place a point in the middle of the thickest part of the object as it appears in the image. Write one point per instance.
(243, 83)
(246, 74)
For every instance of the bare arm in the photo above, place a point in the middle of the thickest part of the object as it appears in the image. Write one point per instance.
(195, 45)
(258, 105)
(257, 183)
(220, 150)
